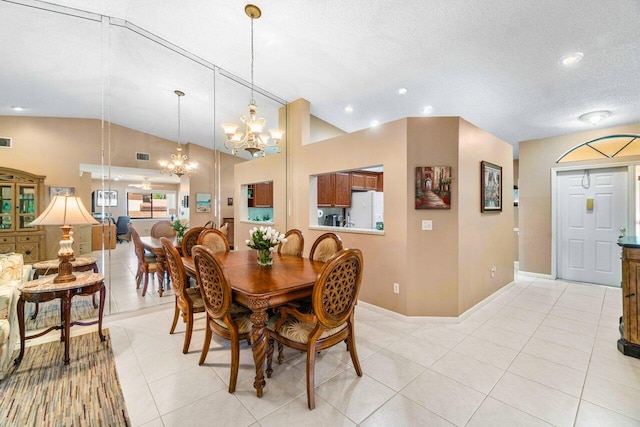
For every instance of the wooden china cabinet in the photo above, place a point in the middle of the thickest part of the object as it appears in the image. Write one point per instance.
(21, 201)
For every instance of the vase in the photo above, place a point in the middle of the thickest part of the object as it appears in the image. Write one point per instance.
(265, 257)
(179, 237)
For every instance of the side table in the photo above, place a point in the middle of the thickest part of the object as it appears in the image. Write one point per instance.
(43, 290)
(44, 268)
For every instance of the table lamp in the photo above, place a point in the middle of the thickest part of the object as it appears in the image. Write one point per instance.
(66, 211)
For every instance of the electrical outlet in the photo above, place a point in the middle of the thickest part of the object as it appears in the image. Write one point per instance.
(396, 288)
(427, 224)
(493, 271)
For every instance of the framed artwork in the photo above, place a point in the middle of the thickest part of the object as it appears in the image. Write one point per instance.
(516, 195)
(61, 191)
(229, 201)
(433, 187)
(106, 198)
(203, 202)
(490, 187)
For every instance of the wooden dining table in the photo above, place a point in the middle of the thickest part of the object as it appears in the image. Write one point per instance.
(153, 245)
(261, 288)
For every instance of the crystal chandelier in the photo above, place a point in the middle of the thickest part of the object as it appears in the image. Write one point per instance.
(252, 140)
(178, 165)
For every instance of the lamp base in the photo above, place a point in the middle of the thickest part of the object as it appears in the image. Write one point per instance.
(65, 269)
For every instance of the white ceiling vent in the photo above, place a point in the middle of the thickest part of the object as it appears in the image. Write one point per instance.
(6, 143)
(143, 157)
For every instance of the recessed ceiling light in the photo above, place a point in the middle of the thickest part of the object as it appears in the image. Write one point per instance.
(571, 58)
(427, 110)
(402, 91)
(348, 109)
(374, 123)
(594, 117)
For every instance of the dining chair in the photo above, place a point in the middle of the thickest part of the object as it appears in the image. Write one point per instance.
(188, 300)
(146, 264)
(294, 244)
(163, 228)
(223, 317)
(210, 224)
(325, 246)
(224, 229)
(190, 239)
(214, 240)
(334, 297)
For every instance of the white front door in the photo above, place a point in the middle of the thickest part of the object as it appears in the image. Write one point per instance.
(592, 207)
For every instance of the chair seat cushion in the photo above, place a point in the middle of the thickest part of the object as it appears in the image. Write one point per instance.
(196, 298)
(243, 321)
(298, 331)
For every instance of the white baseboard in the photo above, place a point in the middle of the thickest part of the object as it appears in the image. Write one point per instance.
(537, 275)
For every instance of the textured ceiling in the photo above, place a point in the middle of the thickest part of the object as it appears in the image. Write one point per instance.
(494, 63)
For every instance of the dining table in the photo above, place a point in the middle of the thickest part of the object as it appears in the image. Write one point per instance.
(261, 288)
(154, 245)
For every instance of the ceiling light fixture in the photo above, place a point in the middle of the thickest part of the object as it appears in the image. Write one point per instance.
(178, 165)
(348, 109)
(374, 123)
(571, 58)
(594, 117)
(402, 91)
(253, 140)
(427, 110)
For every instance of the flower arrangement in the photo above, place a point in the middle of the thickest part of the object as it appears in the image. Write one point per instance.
(264, 239)
(180, 226)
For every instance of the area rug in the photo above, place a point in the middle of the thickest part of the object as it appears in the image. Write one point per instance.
(49, 312)
(42, 391)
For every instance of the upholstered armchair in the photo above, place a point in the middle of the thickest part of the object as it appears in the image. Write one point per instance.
(12, 274)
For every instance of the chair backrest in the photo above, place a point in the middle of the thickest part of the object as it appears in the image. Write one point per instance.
(190, 239)
(224, 229)
(335, 292)
(213, 282)
(214, 240)
(163, 228)
(325, 246)
(294, 244)
(175, 266)
(122, 225)
(210, 224)
(137, 244)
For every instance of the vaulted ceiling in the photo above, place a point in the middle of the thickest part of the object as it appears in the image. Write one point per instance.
(494, 62)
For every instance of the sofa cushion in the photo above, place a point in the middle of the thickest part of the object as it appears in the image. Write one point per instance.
(10, 268)
(7, 292)
(4, 331)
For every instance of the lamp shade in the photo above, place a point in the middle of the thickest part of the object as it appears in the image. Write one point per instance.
(65, 210)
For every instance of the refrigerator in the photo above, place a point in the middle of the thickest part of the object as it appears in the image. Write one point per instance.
(366, 210)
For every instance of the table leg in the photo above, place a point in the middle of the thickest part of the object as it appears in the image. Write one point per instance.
(103, 293)
(258, 346)
(160, 272)
(21, 327)
(67, 324)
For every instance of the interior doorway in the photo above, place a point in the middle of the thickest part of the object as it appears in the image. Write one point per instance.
(592, 207)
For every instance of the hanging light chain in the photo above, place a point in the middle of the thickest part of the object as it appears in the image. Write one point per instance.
(252, 100)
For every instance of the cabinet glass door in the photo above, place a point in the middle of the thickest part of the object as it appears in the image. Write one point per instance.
(27, 206)
(6, 206)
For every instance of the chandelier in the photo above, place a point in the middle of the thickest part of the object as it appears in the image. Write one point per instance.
(178, 165)
(252, 140)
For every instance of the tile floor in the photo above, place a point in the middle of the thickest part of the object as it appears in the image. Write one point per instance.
(540, 352)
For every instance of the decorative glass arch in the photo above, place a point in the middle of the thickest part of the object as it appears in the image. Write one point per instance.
(605, 147)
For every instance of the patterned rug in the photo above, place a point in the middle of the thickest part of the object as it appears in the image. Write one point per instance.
(42, 391)
(49, 312)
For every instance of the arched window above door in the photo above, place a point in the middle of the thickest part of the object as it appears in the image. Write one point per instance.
(605, 147)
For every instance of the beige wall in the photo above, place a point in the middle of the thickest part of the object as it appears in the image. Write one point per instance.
(428, 271)
(537, 158)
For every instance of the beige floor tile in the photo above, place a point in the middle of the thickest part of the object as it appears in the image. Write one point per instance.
(443, 396)
(522, 327)
(486, 351)
(590, 415)
(571, 313)
(614, 370)
(575, 326)
(297, 413)
(543, 402)
(566, 338)
(501, 337)
(155, 423)
(422, 352)
(140, 404)
(554, 375)
(391, 369)
(494, 413)
(327, 366)
(219, 408)
(356, 397)
(440, 336)
(403, 412)
(380, 335)
(557, 353)
(178, 390)
(478, 375)
(364, 349)
(532, 305)
(515, 312)
(612, 395)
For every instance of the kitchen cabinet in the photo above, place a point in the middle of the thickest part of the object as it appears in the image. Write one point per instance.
(334, 190)
(21, 200)
(260, 195)
(365, 181)
(97, 237)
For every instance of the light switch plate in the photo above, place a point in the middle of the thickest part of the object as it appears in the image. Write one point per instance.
(427, 224)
